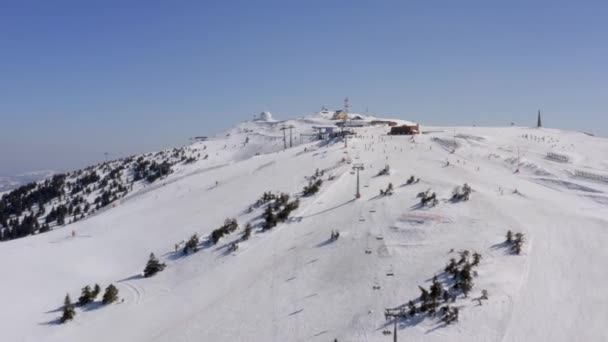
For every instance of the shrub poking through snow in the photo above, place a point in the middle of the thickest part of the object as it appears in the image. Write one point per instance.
(515, 242)
(484, 296)
(424, 296)
(452, 267)
(266, 197)
(476, 259)
(68, 310)
(233, 247)
(388, 191)
(152, 267)
(192, 244)
(449, 314)
(230, 225)
(312, 188)
(464, 257)
(385, 171)
(436, 289)
(286, 210)
(280, 201)
(518, 243)
(464, 280)
(110, 295)
(412, 308)
(412, 180)
(216, 235)
(461, 193)
(428, 199)
(279, 208)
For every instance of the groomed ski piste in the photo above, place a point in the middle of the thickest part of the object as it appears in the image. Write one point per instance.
(293, 283)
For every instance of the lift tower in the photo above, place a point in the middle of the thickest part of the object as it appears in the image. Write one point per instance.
(358, 167)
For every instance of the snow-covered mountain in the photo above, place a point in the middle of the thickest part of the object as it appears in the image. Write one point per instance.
(297, 281)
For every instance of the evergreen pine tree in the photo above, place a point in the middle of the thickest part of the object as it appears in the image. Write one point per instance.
(436, 290)
(412, 308)
(153, 266)
(270, 218)
(464, 257)
(192, 244)
(452, 267)
(96, 291)
(476, 259)
(518, 243)
(68, 310)
(466, 280)
(110, 295)
(216, 235)
(509, 236)
(86, 297)
(424, 294)
(247, 232)
(446, 296)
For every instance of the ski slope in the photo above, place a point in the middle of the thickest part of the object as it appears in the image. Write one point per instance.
(292, 284)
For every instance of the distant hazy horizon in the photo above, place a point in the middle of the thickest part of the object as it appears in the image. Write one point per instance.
(97, 156)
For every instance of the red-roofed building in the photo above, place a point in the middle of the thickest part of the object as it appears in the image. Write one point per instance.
(405, 130)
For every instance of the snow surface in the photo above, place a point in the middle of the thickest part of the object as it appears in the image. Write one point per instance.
(292, 284)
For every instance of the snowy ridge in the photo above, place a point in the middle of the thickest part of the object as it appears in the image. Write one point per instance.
(293, 283)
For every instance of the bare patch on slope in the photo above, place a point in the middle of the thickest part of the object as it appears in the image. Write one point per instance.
(528, 166)
(421, 218)
(448, 145)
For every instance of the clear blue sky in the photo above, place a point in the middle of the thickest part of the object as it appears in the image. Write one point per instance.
(79, 78)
